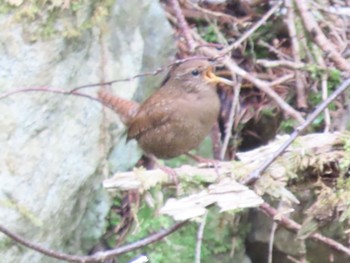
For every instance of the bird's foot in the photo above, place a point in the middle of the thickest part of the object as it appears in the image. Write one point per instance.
(169, 171)
(173, 176)
(206, 163)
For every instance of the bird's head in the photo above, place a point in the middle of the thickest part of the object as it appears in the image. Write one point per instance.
(196, 75)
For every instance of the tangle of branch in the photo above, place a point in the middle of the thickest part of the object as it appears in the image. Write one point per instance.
(294, 227)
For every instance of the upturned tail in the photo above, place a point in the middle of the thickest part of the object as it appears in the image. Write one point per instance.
(126, 109)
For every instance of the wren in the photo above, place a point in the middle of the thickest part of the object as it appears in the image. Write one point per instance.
(178, 116)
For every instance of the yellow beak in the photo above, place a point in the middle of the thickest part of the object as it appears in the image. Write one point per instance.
(212, 78)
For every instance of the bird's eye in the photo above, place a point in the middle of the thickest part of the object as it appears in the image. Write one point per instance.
(195, 72)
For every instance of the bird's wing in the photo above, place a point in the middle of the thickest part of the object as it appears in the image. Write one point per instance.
(153, 113)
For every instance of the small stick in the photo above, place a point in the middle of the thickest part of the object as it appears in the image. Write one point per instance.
(327, 116)
(272, 241)
(293, 226)
(229, 124)
(249, 32)
(153, 73)
(300, 90)
(272, 49)
(184, 27)
(200, 238)
(257, 173)
(282, 79)
(47, 89)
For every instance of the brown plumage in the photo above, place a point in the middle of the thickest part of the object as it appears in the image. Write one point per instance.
(177, 117)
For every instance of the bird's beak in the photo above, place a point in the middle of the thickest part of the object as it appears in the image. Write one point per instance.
(212, 78)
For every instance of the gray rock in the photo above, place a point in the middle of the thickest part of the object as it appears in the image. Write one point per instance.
(54, 148)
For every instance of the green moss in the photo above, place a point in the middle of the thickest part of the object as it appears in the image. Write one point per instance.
(46, 19)
(221, 236)
(344, 163)
(208, 33)
(287, 126)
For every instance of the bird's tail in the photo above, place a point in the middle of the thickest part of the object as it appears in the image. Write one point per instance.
(126, 109)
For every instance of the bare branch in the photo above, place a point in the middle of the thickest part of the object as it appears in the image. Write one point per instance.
(213, 14)
(200, 238)
(327, 116)
(99, 256)
(271, 241)
(294, 227)
(50, 90)
(282, 79)
(289, 64)
(231, 119)
(184, 27)
(145, 74)
(300, 90)
(272, 49)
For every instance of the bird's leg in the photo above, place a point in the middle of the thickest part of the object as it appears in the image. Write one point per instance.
(203, 162)
(206, 163)
(169, 171)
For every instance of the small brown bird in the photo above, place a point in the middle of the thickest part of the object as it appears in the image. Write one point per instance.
(177, 117)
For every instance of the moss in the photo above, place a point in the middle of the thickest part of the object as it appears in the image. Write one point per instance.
(47, 19)
(223, 234)
(180, 247)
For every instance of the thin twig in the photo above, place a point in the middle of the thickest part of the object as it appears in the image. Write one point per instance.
(249, 32)
(50, 90)
(200, 238)
(280, 63)
(40, 248)
(231, 119)
(193, 13)
(324, 88)
(213, 14)
(327, 116)
(272, 241)
(290, 64)
(257, 173)
(99, 256)
(272, 49)
(282, 79)
(145, 74)
(281, 210)
(184, 27)
(291, 21)
(59, 91)
(291, 225)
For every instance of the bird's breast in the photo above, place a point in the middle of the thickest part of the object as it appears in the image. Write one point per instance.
(189, 122)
